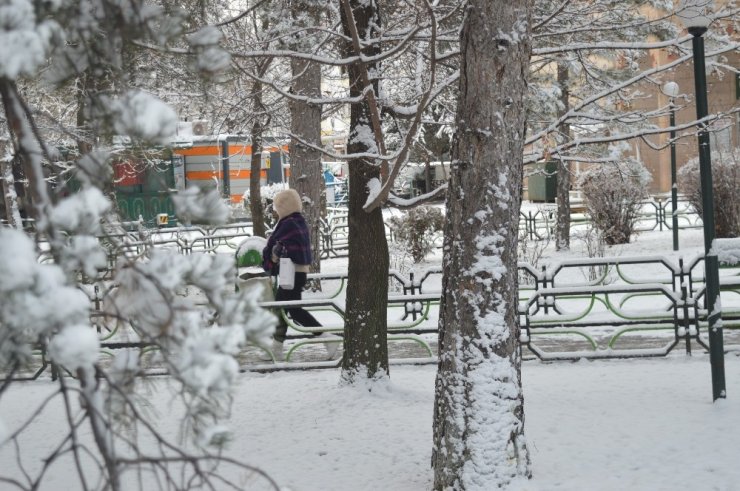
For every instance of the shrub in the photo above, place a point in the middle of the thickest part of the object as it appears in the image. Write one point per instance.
(594, 246)
(418, 229)
(613, 194)
(725, 186)
(267, 194)
(530, 251)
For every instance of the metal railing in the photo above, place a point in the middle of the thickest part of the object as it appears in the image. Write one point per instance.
(590, 308)
(655, 214)
(579, 308)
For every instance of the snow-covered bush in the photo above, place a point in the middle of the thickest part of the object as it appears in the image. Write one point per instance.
(613, 194)
(725, 187)
(418, 229)
(267, 195)
(108, 437)
(400, 260)
(593, 247)
(530, 251)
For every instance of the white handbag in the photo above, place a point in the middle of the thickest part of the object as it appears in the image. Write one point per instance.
(286, 279)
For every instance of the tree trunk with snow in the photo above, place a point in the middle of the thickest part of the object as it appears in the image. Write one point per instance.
(10, 197)
(306, 175)
(479, 407)
(12, 212)
(562, 230)
(255, 196)
(365, 330)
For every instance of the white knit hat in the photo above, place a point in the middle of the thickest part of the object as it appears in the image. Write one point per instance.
(287, 202)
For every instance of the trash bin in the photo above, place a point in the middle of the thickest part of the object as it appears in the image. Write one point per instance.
(542, 184)
(249, 272)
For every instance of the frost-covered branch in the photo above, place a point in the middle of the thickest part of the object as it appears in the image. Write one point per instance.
(644, 75)
(569, 48)
(44, 304)
(389, 180)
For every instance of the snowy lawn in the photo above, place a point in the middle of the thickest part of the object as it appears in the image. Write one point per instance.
(604, 425)
(608, 425)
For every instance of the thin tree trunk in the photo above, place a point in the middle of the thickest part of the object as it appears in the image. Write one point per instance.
(427, 174)
(365, 331)
(23, 165)
(12, 211)
(255, 195)
(562, 231)
(305, 162)
(479, 406)
(10, 197)
(16, 194)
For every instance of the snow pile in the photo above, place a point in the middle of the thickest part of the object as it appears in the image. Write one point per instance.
(85, 254)
(126, 361)
(491, 411)
(211, 57)
(638, 425)
(254, 243)
(195, 205)
(363, 135)
(75, 347)
(373, 188)
(81, 212)
(197, 344)
(24, 44)
(249, 254)
(267, 193)
(35, 299)
(727, 251)
(206, 358)
(143, 116)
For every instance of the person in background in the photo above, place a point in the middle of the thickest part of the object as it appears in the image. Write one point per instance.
(291, 238)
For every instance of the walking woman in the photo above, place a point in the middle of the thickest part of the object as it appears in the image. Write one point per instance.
(291, 239)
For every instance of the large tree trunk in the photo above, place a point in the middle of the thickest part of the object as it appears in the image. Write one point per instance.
(479, 408)
(562, 230)
(306, 175)
(365, 331)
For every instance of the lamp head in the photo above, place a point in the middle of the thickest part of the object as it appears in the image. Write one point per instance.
(670, 89)
(695, 15)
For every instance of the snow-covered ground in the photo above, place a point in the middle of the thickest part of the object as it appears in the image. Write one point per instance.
(642, 425)
(591, 425)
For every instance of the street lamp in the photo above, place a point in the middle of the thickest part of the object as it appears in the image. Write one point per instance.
(694, 14)
(671, 90)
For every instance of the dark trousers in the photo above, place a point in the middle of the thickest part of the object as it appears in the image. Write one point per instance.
(300, 316)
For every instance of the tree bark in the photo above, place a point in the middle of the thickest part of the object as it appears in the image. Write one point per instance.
(12, 173)
(255, 195)
(33, 193)
(479, 406)
(562, 230)
(365, 331)
(12, 211)
(306, 175)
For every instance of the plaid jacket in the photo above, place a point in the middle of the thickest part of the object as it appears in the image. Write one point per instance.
(292, 232)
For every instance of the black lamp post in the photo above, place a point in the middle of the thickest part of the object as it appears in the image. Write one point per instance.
(671, 90)
(694, 15)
